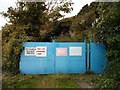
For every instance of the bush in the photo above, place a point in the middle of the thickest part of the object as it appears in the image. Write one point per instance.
(11, 48)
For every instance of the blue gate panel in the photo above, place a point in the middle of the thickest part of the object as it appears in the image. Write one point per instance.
(97, 57)
(37, 65)
(77, 66)
(70, 64)
(27, 68)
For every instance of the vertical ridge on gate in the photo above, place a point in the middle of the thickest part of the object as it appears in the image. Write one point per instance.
(88, 56)
(53, 41)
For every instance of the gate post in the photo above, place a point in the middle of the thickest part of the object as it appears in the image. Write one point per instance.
(88, 56)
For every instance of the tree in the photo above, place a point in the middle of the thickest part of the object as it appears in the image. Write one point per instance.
(27, 15)
(56, 8)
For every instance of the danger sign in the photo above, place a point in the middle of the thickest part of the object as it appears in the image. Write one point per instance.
(41, 51)
(61, 51)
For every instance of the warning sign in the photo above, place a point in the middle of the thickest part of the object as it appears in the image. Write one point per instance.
(30, 51)
(61, 51)
(41, 51)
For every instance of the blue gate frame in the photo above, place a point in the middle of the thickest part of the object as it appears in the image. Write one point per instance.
(93, 58)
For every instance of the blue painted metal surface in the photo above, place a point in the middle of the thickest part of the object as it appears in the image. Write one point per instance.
(37, 65)
(63, 64)
(97, 57)
(70, 64)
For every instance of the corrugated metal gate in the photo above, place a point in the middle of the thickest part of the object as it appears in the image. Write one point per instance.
(61, 57)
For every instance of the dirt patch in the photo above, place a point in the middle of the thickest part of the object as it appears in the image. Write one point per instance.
(85, 81)
(85, 85)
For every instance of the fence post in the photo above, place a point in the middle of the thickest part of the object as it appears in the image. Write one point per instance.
(88, 54)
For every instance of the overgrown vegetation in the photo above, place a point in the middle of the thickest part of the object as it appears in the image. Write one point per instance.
(107, 30)
(47, 81)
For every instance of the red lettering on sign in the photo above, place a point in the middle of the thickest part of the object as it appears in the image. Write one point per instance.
(40, 51)
(38, 48)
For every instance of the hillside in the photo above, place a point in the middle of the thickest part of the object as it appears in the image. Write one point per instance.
(76, 27)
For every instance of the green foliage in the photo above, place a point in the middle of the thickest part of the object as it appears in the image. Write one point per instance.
(11, 47)
(41, 81)
(55, 9)
(106, 83)
(27, 15)
(107, 30)
(67, 37)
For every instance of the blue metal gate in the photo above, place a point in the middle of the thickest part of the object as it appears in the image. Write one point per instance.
(61, 57)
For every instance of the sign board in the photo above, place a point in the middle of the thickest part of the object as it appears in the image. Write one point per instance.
(75, 51)
(30, 51)
(41, 51)
(61, 51)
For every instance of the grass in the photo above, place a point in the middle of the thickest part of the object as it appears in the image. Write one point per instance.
(46, 81)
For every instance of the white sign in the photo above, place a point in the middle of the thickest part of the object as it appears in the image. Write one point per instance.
(30, 51)
(41, 51)
(61, 51)
(75, 51)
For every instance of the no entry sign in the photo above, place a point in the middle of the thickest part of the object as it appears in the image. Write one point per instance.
(41, 51)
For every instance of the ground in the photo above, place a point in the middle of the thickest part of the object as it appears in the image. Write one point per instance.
(49, 81)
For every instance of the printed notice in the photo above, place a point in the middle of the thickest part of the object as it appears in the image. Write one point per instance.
(41, 51)
(61, 51)
(30, 51)
(75, 51)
